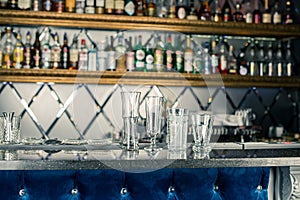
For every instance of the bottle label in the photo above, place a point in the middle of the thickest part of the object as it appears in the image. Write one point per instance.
(46, 57)
(129, 8)
(80, 6)
(130, 61)
(277, 18)
(24, 4)
(99, 3)
(223, 63)
(140, 54)
(18, 55)
(92, 61)
(159, 59)
(111, 60)
(181, 13)
(188, 61)
(83, 61)
(289, 69)
(179, 60)
(119, 5)
(55, 55)
(243, 70)
(169, 55)
(149, 62)
(249, 18)
(89, 2)
(109, 4)
(279, 69)
(47, 5)
(214, 61)
(73, 55)
(90, 10)
(267, 18)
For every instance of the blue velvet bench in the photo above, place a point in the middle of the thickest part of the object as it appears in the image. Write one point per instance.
(202, 183)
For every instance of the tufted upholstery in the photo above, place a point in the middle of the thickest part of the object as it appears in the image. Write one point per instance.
(199, 184)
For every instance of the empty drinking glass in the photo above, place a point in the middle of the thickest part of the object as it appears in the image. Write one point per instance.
(130, 115)
(177, 128)
(202, 130)
(154, 117)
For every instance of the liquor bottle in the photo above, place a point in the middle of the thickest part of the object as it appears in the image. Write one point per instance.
(149, 60)
(3, 4)
(140, 8)
(46, 52)
(18, 53)
(130, 55)
(289, 61)
(100, 4)
(238, 15)
(204, 12)
(89, 6)
(58, 6)
(111, 55)
(139, 55)
(36, 52)
(223, 63)
(266, 16)
(241, 60)
(102, 56)
(46, 5)
(109, 6)
(27, 51)
(269, 60)
(289, 16)
(214, 56)
(162, 9)
(188, 56)
(226, 11)
(119, 7)
(70, 5)
(278, 60)
(74, 54)
(172, 9)
(83, 56)
(204, 59)
(65, 53)
(80, 4)
(121, 53)
(12, 4)
(252, 60)
(55, 53)
(181, 9)
(24, 4)
(159, 53)
(179, 57)
(192, 12)
(276, 15)
(129, 7)
(256, 13)
(217, 12)
(262, 68)
(170, 54)
(198, 61)
(248, 15)
(36, 5)
(232, 62)
(151, 8)
(92, 58)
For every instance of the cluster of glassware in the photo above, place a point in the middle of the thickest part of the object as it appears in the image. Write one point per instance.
(177, 125)
(10, 128)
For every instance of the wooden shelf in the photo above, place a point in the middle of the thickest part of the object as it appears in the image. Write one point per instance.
(117, 22)
(144, 78)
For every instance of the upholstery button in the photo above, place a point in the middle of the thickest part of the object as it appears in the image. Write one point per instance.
(123, 191)
(22, 192)
(216, 188)
(259, 188)
(74, 191)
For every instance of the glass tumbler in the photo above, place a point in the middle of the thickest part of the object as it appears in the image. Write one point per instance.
(202, 124)
(130, 115)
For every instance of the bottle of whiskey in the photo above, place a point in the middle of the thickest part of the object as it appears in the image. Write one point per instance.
(27, 51)
(140, 8)
(55, 53)
(252, 60)
(83, 56)
(188, 56)
(129, 7)
(121, 53)
(214, 56)
(204, 12)
(74, 54)
(159, 53)
(179, 55)
(170, 54)
(139, 55)
(109, 6)
(262, 68)
(223, 63)
(269, 60)
(238, 15)
(289, 16)
(276, 15)
(46, 52)
(99, 4)
(119, 7)
(181, 9)
(289, 61)
(89, 6)
(226, 11)
(266, 16)
(151, 8)
(65, 53)
(216, 12)
(36, 52)
(279, 60)
(248, 15)
(18, 55)
(256, 13)
(70, 6)
(232, 62)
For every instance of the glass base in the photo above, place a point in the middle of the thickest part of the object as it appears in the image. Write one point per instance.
(152, 149)
(201, 152)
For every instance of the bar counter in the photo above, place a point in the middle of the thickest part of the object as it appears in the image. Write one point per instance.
(111, 156)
